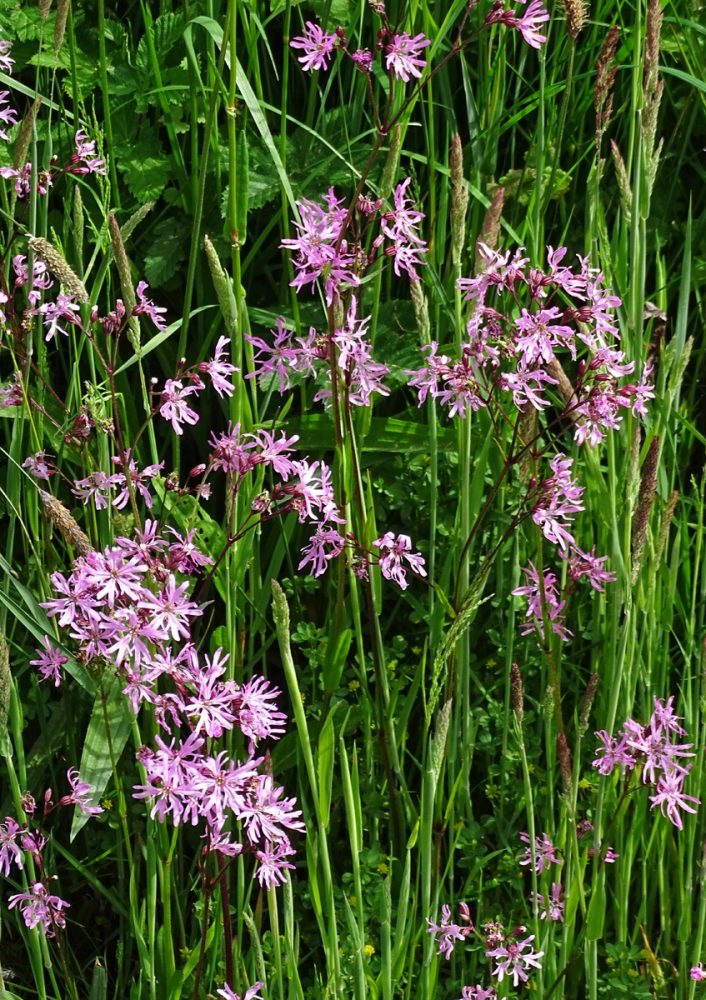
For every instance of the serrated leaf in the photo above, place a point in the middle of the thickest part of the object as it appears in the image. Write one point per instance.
(165, 31)
(146, 173)
(166, 253)
(108, 730)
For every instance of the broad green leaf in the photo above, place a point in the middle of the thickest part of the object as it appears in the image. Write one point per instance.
(108, 730)
(167, 251)
(146, 169)
(324, 761)
(595, 918)
(165, 31)
(336, 656)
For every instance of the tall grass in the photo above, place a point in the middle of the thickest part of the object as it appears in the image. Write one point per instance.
(425, 733)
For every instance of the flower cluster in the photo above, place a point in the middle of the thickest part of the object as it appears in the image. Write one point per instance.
(360, 375)
(447, 933)
(38, 906)
(129, 606)
(8, 115)
(84, 160)
(329, 245)
(402, 53)
(553, 503)
(544, 853)
(514, 956)
(527, 24)
(512, 951)
(651, 750)
(570, 313)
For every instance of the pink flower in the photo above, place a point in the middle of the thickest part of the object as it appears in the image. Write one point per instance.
(539, 334)
(478, 993)
(8, 115)
(320, 251)
(527, 25)
(173, 405)
(148, 307)
(514, 959)
(272, 864)
(54, 312)
(394, 549)
(250, 994)
(219, 369)
(551, 907)
(590, 566)
(81, 793)
(39, 907)
(84, 160)
(614, 753)
(530, 21)
(324, 545)
(6, 60)
(402, 55)
(10, 852)
(138, 479)
(257, 717)
(526, 387)
(449, 933)
(40, 466)
(317, 47)
(541, 599)
(544, 852)
(363, 58)
(279, 359)
(560, 500)
(400, 226)
(49, 662)
(11, 393)
(697, 972)
(671, 798)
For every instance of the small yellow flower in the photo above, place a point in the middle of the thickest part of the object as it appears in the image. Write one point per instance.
(382, 868)
(368, 951)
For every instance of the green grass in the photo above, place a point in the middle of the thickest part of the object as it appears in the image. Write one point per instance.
(414, 773)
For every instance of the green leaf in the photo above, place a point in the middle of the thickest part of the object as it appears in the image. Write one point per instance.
(167, 251)
(336, 655)
(334, 12)
(99, 982)
(146, 171)
(324, 762)
(595, 917)
(108, 730)
(165, 31)
(242, 191)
